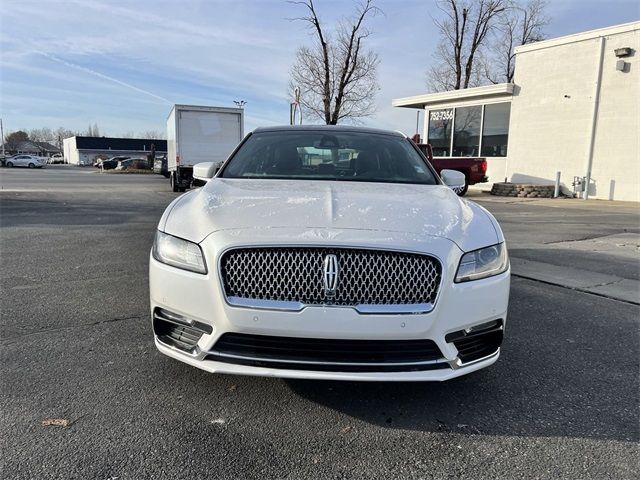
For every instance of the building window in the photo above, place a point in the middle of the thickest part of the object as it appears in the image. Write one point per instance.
(495, 129)
(439, 133)
(466, 132)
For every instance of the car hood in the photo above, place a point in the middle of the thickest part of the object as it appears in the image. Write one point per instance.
(430, 210)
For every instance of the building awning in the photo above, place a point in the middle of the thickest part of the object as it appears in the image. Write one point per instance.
(453, 96)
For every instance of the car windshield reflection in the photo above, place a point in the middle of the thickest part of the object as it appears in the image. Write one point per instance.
(316, 155)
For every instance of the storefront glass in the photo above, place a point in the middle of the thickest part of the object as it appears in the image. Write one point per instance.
(495, 129)
(440, 122)
(466, 134)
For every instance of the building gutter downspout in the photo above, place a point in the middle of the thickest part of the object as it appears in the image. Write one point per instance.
(594, 120)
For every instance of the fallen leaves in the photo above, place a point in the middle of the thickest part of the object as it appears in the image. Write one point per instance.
(56, 422)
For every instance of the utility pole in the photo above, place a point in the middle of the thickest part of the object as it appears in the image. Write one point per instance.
(2, 136)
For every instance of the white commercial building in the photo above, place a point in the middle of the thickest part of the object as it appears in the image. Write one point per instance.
(81, 150)
(573, 107)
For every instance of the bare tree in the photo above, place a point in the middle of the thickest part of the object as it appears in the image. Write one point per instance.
(41, 135)
(337, 76)
(93, 130)
(46, 134)
(61, 133)
(153, 134)
(465, 29)
(65, 133)
(521, 24)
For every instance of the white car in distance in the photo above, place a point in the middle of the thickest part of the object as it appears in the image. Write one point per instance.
(30, 161)
(329, 252)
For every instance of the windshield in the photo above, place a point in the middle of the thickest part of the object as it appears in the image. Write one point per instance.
(319, 155)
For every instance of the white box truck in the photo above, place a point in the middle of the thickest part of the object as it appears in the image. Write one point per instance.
(200, 134)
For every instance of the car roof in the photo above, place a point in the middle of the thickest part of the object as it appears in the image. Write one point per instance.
(327, 128)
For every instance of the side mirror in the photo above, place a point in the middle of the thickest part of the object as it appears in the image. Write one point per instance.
(204, 171)
(453, 179)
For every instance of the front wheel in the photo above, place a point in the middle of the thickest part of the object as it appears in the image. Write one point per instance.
(173, 182)
(31, 165)
(9, 164)
(463, 190)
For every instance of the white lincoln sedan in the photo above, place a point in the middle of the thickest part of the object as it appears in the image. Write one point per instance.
(329, 253)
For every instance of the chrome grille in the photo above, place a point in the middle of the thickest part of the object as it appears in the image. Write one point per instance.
(296, 274)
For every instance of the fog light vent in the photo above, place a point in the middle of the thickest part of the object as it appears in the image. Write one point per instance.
(178, 331)
(477, 342)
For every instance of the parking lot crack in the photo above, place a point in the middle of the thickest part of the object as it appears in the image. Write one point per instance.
(579, 289)
(14, 338)
(581, 239)
(606, 283)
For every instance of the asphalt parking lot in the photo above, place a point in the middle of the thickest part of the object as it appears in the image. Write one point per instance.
(76, 345)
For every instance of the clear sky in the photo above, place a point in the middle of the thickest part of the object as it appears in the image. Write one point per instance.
(121, 64)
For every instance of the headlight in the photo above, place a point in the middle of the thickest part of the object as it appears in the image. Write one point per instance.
(178, 253)
(483, 263)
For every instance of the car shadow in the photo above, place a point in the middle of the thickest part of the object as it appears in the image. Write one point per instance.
(556, 377)
(475, 404)
(568, 369)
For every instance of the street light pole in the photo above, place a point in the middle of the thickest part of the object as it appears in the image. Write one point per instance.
(2, 136)
(240, 103)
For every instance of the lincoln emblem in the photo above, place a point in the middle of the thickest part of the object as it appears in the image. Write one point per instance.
(330, 275)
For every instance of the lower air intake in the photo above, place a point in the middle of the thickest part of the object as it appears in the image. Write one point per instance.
(476, 344)
(320, 354)
(177, 331)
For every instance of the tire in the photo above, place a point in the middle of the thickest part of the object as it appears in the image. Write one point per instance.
(461, 192)
(173, 183)
(31, 165)
(9, 164)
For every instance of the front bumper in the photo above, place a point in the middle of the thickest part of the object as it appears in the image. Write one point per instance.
(199, 298)
(420, 376)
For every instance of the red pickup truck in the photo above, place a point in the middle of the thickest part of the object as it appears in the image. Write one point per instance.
(474, 168)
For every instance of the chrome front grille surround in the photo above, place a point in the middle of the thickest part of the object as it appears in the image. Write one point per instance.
(290, 278)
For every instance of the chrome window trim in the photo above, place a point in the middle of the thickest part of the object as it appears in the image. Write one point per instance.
(363, 309)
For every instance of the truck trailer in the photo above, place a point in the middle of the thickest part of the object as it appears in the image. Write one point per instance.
(200, 134)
